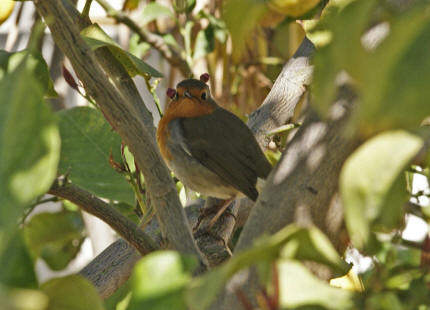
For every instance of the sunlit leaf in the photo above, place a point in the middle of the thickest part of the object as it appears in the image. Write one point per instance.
(34, 63)
(291, 242)
(299, 288)
(72, 292)
(87, 142)
(154, 10)
(372, 183)
(159, 280)
(29, 142)
(292, 8)
(22, 299)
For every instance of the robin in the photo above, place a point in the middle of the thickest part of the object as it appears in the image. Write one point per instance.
(207, 147)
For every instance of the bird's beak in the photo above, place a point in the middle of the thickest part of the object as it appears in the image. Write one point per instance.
(187, 94)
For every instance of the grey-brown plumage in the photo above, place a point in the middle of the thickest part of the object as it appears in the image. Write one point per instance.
(212, 151)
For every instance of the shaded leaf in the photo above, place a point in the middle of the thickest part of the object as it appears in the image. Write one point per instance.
(159, 280)
(87, 142)
(17, 269)
(29, 142)
(55, 237)
(205, 42)
(96, 38)
(372, 183)
(154, 10)
(388, 72)
(72, 292)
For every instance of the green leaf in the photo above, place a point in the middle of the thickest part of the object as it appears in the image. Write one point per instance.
(292, 8)
(299, 288)
(17, 266)
(29, 142)
(87, 142)
(292, 242)
(55, 237)
(205, 42)
(396, 95)
(96, 38)
(22, 299)
(154, 10)
(372, 183)
(34, 63)
(136, 47)
(391, 77)
(159, 280)
(72, 292)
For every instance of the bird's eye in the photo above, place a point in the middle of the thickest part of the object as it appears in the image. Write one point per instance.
(203, 95)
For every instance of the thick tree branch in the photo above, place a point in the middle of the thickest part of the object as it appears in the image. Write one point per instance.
(118, 222)
(111, 268)
(123, 115)
(153, 39)
(302, 188)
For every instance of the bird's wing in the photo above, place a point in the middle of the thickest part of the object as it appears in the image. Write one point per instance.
(224, 144)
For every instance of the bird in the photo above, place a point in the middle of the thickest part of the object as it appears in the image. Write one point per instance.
(209, 149)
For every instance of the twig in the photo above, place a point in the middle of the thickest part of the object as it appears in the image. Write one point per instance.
(152, 39)
(97, 207)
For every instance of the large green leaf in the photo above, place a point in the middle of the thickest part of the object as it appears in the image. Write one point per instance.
(87, 142)
(159, 281)
(96, 38)
(391, 77)
(372, 183)
(291, 242)
(29, 142)
(72, 292)
(34, 63)
(55, 237)
(299, 288)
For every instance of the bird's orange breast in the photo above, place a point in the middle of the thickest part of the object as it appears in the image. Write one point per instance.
(184, 107)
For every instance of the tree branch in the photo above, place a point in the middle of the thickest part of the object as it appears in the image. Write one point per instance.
(112, 268)
(123, 115)
(118, 222)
